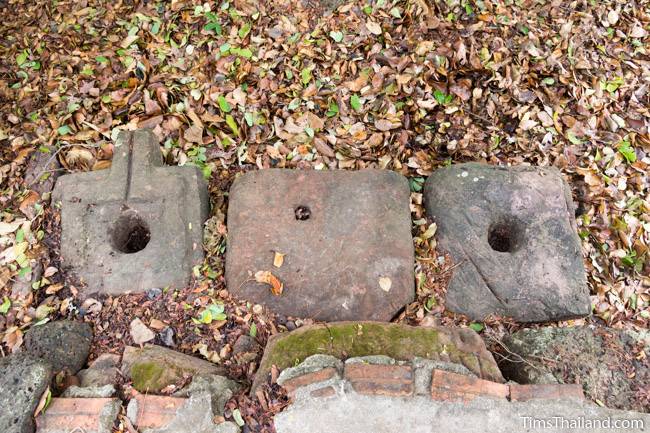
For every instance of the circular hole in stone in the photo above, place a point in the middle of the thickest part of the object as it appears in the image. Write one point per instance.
(130, 233)
(504, 236)
(302, 213)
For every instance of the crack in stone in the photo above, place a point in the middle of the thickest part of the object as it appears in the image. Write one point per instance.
(485, 280)
(129, 171)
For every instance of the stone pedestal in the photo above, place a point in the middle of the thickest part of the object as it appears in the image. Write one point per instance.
(511, 233)
(345, 238)
(136, 226)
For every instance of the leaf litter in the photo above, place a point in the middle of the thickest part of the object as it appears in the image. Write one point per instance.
(407, 86)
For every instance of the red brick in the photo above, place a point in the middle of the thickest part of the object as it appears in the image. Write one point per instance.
(546, 392)
(68, 414)
(452, 386)
(307, 379)
(370, 379)
(328, 391)
(155, 411)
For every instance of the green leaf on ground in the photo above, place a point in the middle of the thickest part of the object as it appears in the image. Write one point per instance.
(355, 102)
(230, 121)
(336, 36)
(236, 415)
(22, 57)
(223, 104)
(253, 331)
(478, 327)
(4, 308)
(214, 312)
(628, 152)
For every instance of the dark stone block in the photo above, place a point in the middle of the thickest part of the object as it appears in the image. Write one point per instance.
(64, 344)
(23, 380)
(136, 226)
(512, 233)
(346, 237)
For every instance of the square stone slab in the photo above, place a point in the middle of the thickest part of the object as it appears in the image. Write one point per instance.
(511, 232)
(136, 226)
(346, 237)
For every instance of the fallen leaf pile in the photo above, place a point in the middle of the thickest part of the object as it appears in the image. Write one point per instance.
(407, 85)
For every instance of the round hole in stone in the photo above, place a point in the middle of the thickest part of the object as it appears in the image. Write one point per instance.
(504, 236)
(130, 233)
(303, 213)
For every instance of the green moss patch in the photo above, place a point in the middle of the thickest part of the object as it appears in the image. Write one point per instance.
(147, 376)
(352, 339)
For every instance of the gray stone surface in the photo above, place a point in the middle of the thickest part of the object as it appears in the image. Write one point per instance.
(136, 226)
(102, 371)
(64, 344)
(371, 359)
(353, 413)
(152, 368)
(219, 388)
(511, 233)
(195, 416)
(245, 349)
(342, 233)
(606, 362)
(23, 380)
(309, 365)
(89, 391)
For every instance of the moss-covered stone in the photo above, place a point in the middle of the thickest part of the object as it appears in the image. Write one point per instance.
(152, 368)
(146, 375)
(401, 342)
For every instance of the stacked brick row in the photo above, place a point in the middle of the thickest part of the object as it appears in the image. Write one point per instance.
(405, 380)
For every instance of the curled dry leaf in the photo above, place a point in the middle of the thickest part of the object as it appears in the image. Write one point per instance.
(43, 402)
(266, 277)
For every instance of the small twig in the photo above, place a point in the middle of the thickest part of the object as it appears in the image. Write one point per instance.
(520, 358)
(49, 161)
(451, 268)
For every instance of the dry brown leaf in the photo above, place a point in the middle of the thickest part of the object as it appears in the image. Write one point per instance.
(194, 134)
(278, 259)
(267, 277)
(385, 125)
(385, 284)
(42, 402)
(52, 289)
(27, 205)
(374, 28)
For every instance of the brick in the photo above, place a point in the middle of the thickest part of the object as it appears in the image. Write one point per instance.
(327, 391)
(307, 379)
(398, 341)
(452, 386)
(155, 411)
(90, 415)
(391, 380)
(546, 392)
